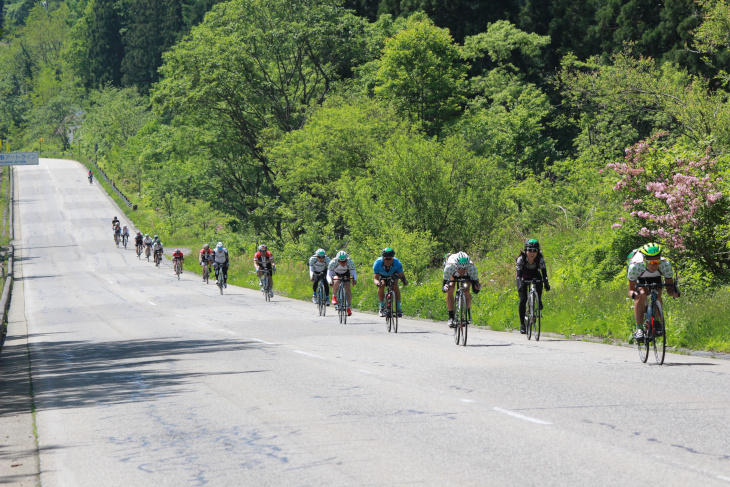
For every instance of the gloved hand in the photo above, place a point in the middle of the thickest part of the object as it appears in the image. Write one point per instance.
(445, 288)
(547, 286)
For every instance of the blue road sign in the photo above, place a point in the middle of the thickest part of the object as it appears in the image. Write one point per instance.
(18, 159)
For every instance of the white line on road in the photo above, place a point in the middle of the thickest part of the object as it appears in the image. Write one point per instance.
(727, 479)
(467, 400)
(309, 354)
(261, 341)
(364, 371)
(520, 416)
(153, 304)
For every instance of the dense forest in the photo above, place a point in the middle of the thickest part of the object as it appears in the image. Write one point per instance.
(427, 126)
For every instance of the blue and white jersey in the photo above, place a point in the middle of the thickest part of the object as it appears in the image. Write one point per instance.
(395, 268)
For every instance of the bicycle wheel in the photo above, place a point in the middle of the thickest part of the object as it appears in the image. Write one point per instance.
(124, 241)
(538, 316)
(342, 303)
(219, 280)
(462, 318)
(394, 312)
(206, 273)
(139, 252)
(644, 344)
(177, 270)
(321, 304)
(389, 311)
(530, 318)
(267, 295)
(660, 339)
(147, 253)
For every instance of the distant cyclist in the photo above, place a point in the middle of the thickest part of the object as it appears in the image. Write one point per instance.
(90, 176)
(115, 222)
(530, 265)
(125, 232)
(205, 258)
(647, 266)
(220, 263)
(117, 232)
(318, 264)
(461, 267)
(157, 248)
(263, 259)
(386, 266)
(177, 255)
(139, 241)
(338, 271)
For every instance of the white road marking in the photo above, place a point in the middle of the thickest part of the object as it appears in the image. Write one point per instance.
(310, 354)
(153, 304)
(467, 400)
(727, 479)
(520, 416)
(261, 341)
(365, 371)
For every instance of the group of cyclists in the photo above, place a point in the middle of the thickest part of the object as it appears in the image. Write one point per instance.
(645, 265)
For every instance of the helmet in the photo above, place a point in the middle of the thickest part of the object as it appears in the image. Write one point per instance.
(139, 233)
(156, 237)
(262, 247)
(388, 252)
(651, 250)
(177, 250)
(146, 234)
(462, 260)
(342, 256)
(320, 253)
(114, 218)
(532, 245)
(206, 246)
(219, 245)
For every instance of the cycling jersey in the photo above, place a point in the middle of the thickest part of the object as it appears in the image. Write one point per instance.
(206, 255)
(316, 266)
(220, 256)
(157, 247)
(451, 270)
(177, 255)
(125, 231)
(148, 241)
(334, 268)
(638, 270)
(138, 239)
(263, 258)
(117, 230)
(525, 270)
(395, 268)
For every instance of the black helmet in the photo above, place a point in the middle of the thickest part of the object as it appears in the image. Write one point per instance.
(532, 245)
(388, 252)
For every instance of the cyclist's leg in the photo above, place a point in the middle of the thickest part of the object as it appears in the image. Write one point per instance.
(522, 307)
(396, 291)
(538, 287)
(335, 287)
(348, 291)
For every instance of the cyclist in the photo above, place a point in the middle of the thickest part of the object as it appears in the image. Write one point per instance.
(90, 175)
(148, 241)
(157, 248)
(530, 264)
(138, 241)
(205, 257)
(339, 269)
(220, 262)
(115, 222)
(125, 232)
(462, 267)
(318, 264)
(387, 265)
(177, 255)
(263, 259)
(647, 266)
(117, 232)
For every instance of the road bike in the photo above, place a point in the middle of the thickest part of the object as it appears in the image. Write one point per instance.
(265, 284)
(178, 267)
(533, 315)
(653, 327)
(116, 239)
(461, 315)
(206, 270)
(125, 239)
(139, 250)
(158, 257)
(220, 277)
(342, 303)
(147, 251)
(91, 178)
(321, 295)
(391, 313)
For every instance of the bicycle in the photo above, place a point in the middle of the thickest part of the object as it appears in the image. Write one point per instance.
(533, 314)
(158, 258)
(653, 327)
(139, 251)
(178, 268)
(91, 179)
(461, 316)
(265, 280)
(147, 251)
(206, 270)
(220, 278)
(116, 239)
(125, 239)
(321, 296)
(342, 303)
(391, 313)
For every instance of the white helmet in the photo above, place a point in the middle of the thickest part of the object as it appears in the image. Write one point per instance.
(462, 260)
(219, 246)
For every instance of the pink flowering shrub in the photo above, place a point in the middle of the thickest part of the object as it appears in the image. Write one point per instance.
(667, 196)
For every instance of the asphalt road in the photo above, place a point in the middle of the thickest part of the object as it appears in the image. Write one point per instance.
(141, 379)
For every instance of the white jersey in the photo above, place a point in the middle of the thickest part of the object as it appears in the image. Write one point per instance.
(220, 256)
(148, 241)
(638, 268)
(157, 247)
(335, 268)
(316, 266)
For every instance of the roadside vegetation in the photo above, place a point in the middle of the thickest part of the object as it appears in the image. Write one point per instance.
(362, 124)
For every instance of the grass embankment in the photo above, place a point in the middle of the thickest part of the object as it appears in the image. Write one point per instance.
(574, 307)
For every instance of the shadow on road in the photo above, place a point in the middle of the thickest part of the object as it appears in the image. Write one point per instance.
(72, 374)
(687, 364)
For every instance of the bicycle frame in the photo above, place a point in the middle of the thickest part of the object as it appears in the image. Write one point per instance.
(532, 319)
(461, 283)
(391, 314)
(653, 334)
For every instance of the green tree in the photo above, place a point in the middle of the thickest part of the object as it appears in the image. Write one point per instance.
(422, 74)
(96, 50)
(248, 73)
(151, 29)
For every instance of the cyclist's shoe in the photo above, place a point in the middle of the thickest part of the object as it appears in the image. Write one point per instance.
(334, 300)
(327, 300)
(314, 298)
(349, 312)
(523, 330)
(452, 323)
(658, 329)
(225, 284)
(540, 305)
(399, 313)
(382, 312)
(639, 335)
(271, 293)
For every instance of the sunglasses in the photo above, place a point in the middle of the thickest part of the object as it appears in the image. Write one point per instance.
(652, 262)
(387, 258)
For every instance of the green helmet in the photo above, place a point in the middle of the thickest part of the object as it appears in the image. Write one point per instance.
(342, 256)
(388, 252)
(651, 250)
(532, 245)
(320, 253)
(156, 237)
(462, 260)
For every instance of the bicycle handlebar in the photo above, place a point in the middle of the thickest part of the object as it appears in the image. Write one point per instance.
(656, 285)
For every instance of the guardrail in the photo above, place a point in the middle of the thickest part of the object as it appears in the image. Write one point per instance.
(7, 289)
